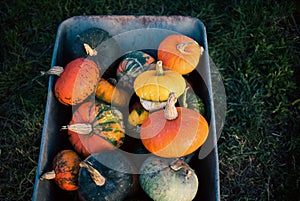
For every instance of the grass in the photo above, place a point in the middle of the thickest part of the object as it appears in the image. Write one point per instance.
(258, 146)
(254, 44)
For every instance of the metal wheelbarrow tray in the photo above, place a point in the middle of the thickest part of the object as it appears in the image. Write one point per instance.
(132, 33)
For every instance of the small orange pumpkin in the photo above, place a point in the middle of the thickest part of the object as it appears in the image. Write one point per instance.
(111, 94)
(174, 131)
(66, 165)
(76, 82)
(180, 53)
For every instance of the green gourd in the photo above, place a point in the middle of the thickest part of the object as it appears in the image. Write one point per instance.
(168, 179)
(88, 39)
(132, 64)
(189, 99)
(106, 176)
(96, 44)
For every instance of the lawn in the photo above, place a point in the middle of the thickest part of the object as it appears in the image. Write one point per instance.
(254, 44)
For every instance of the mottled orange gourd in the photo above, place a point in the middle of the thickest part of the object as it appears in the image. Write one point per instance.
(77, 81)
(65, 170)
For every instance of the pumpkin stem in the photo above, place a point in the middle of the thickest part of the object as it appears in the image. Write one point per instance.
(181, 47)
(48, 175)
(180, 164)
(55, 70)
(170, 109)
(159, 68)
(83, 129)
(89, 50)
(95, 174)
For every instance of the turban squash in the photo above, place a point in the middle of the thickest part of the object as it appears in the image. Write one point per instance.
(154, 86)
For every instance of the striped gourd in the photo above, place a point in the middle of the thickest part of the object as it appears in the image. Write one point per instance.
(131, 65)
(137, 114)
(95, 127)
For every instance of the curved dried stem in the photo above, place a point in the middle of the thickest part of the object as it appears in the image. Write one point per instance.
(181, 164)
(89, 50)
(48, 175)
(55, 70)
(95, 174)
(170, 111)
(181, 47)
(80, 128)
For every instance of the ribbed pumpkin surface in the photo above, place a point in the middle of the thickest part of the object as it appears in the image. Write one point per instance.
(107, 128)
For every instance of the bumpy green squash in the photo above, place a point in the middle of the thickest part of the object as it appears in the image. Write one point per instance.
(97, 44)
(91, 37)
(168, 179)
(107, 176)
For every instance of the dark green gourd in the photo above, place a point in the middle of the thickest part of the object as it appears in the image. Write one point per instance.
(92, 37)
(96, 44)
(116, 181)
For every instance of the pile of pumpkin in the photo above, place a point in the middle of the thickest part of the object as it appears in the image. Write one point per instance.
(99, 128)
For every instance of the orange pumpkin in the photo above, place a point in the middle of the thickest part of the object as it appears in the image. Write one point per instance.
(180, 53)
(76, 82)
(175, 131)
(66, 165)
(108, 93)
